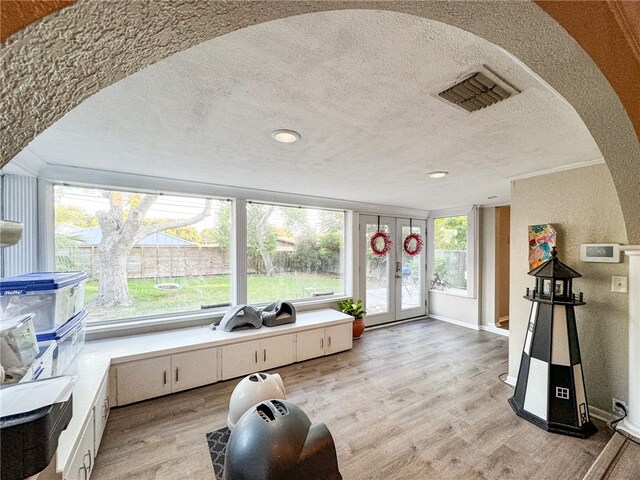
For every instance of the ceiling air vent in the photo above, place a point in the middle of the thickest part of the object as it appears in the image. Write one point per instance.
(477, 91)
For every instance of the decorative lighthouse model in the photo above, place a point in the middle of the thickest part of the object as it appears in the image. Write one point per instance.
(550, 389)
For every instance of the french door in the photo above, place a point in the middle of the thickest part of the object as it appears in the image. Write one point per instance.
(393, 285)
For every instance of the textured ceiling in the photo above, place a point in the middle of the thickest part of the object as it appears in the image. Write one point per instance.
(358, 85)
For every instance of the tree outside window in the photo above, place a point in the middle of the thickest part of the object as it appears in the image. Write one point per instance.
(450, 254)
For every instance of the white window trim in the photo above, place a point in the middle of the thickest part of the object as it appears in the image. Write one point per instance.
(471, 212)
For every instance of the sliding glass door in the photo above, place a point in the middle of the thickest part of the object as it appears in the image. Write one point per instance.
(393, 284)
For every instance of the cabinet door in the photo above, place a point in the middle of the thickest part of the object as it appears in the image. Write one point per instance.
(309, 344)
(277, 351)
(81, 463)
(194, 369)
(143, 379)
(240, 359)
(101, 413)
(338, 338)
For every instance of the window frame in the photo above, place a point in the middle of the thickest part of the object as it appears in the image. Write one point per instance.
(140, 184)
(471, 213)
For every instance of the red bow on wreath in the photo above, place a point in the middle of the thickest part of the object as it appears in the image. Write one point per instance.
(383, 249)
(412, 237)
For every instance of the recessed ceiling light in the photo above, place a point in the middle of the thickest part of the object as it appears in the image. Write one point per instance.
(438, 174)
(285, 136)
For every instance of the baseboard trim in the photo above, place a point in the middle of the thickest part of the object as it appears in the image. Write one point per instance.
(600, 414)
(455, 322)
(496, 330)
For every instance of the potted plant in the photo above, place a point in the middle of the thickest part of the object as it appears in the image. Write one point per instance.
(355, 308)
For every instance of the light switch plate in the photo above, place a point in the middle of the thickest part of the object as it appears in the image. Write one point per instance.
(619, 284)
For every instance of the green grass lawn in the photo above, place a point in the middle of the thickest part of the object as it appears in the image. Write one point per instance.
(198, 291)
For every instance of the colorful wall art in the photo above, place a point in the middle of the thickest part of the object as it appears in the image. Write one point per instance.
(542, 238)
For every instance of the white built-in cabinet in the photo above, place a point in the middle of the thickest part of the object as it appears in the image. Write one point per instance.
(248, 357)
(323, 341)
(83, 459)
(154, 377)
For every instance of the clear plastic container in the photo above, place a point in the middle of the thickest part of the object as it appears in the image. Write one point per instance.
(52, 297)
(43, 366)
(70, 339)
(18, 346)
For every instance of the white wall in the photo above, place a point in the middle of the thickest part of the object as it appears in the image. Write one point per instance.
(583, 206)
(488, 294)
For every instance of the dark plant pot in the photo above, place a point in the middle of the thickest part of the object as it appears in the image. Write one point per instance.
(358, 328)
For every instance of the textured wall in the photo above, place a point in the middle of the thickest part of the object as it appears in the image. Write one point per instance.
(53, 65)
(582, 206)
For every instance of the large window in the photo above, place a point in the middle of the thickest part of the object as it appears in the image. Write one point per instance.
(293, 252)
(144, 254)
(150, 255)
(450, 258)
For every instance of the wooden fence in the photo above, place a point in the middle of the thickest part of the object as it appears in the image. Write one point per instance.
(158, 262)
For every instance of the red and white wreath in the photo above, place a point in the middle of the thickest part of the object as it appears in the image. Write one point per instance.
(380, 248)
(412, 244)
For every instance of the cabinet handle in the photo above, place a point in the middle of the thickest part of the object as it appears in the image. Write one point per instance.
(256, 356)
(177, 373)
(108, 404)
(264, 355)
(322, 342)
(90, 460)
(104, 411)
(329, 342)
(164, 377)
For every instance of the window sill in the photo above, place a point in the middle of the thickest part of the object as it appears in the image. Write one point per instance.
(453, 293)
(102, 331)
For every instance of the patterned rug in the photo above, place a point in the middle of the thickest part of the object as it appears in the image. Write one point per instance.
(217, 447)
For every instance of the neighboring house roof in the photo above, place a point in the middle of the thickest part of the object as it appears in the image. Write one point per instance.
(66, 228)
(93, 236)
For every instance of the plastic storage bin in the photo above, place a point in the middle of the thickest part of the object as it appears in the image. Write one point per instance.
(43, 366)
(52, 297)
(18, 347)
(70, 339)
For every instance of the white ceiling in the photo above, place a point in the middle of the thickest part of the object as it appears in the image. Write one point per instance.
(358, 85)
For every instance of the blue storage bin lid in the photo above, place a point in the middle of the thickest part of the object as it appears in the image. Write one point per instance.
(39, 281)
(73, 323)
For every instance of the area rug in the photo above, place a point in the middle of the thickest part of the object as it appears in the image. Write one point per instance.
(217, 447)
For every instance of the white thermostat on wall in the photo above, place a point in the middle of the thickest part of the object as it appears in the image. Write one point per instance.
(600, 252)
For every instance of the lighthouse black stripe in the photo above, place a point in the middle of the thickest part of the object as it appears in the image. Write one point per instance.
(541, 345)
(521, 384)
(574, 348)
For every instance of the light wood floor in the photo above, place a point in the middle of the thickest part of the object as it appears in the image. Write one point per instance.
(420, 400)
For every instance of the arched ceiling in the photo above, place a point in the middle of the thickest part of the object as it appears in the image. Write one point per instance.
(360, 86)
(54, 64)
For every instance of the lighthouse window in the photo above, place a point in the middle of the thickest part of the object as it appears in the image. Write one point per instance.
(559, 288)
(562, 392)
(546, 287)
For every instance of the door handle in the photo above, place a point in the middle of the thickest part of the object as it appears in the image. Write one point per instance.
(264, 355)
(177, 370)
